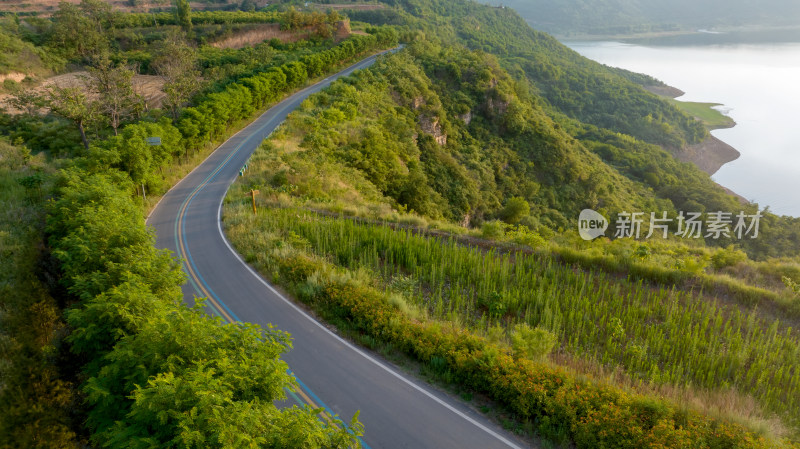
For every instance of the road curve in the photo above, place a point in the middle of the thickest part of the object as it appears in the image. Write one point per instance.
(397, 411)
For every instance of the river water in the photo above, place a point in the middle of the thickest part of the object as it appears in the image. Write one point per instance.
(758, 85)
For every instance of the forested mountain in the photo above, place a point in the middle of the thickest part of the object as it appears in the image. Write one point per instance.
(581, 105)
(564, 17)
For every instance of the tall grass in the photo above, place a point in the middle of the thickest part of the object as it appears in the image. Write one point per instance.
(659, 335)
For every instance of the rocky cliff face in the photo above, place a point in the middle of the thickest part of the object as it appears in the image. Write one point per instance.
(496, 106)
(430, 125)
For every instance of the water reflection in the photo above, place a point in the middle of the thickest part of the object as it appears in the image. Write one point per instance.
(759, 87)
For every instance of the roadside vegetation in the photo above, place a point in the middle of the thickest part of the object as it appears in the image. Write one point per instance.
(87, 299)
(596, 316)
(542, 351)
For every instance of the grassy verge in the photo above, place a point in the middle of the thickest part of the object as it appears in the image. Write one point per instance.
(705, 112)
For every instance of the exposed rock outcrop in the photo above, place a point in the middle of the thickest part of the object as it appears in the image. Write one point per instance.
(496, 106)
(430, 125)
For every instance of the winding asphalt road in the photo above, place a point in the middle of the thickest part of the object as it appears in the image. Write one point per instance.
(397, 411)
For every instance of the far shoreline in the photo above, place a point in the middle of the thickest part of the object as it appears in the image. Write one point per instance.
(776, 33)
(710, 154)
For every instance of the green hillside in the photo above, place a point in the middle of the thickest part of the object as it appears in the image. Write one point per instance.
(20, 59)
(588, 102)
(385, 227)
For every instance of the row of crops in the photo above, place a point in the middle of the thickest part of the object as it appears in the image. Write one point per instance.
(660, 335)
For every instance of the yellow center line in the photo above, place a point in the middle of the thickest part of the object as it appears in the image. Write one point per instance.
(199, 284)
(313, 405)
(182, 250)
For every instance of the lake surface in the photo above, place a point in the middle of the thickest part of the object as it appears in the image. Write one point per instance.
(758, 85)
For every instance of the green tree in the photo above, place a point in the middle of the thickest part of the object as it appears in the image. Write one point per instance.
(247, 5)
(113, 86)
(37, 401)
(176, 63)
(81, 30)
(217, 389)
(73, 104)
(160, 374)
(28, 101)
(292, 19)
(183, 12)
(515, 210)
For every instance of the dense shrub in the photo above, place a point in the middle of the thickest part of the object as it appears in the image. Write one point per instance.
(217, 111)
(157, 371)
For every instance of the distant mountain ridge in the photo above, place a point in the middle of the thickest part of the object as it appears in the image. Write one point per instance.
(564, 17)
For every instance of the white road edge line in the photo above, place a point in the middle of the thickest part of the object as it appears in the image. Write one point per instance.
(350, 345)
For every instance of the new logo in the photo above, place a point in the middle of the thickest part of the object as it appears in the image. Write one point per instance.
(591, 224)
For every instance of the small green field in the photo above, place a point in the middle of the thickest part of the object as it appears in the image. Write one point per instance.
(705, 112)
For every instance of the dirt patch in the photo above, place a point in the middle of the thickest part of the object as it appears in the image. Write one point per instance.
(709, 155)
(14, 76)
(351, 6)
(148, 86)
(151, 88)
(260, 33)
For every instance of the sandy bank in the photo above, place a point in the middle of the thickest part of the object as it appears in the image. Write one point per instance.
(709, 155)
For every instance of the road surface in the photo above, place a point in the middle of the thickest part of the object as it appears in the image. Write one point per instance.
(397, 411)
